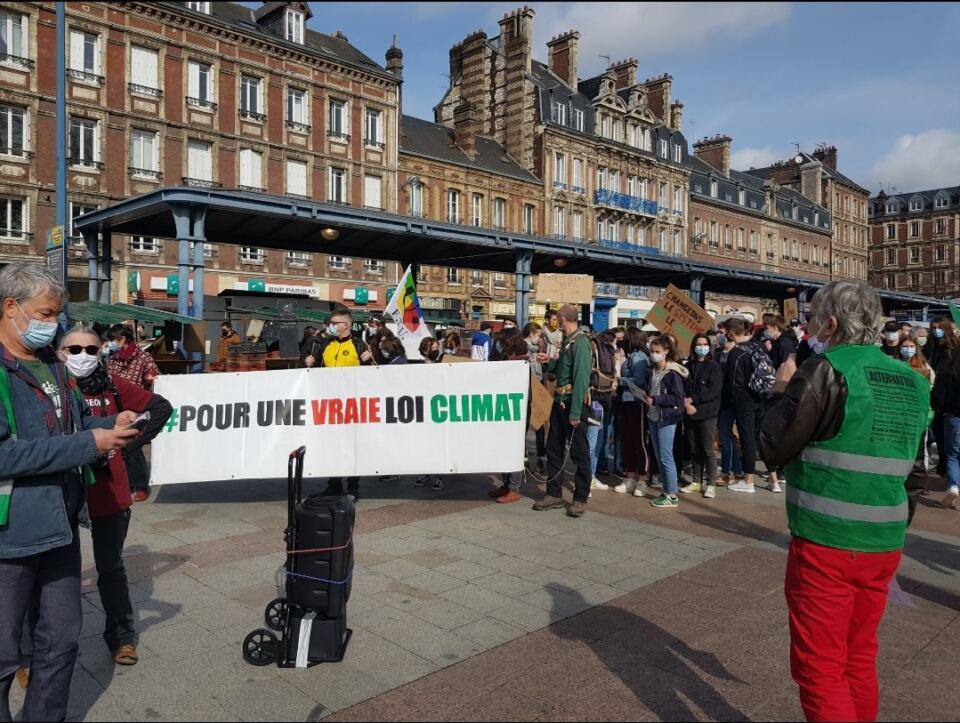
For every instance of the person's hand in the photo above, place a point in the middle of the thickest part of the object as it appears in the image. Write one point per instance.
(574, 423)
(648, 400)
(366, 356)
(542, 357)
(108, 440)
(310, 361)
(691, 410)
(125, 419)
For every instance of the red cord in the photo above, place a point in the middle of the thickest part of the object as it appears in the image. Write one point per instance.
(322, 549)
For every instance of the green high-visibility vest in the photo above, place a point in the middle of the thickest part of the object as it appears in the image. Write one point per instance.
(847, 492)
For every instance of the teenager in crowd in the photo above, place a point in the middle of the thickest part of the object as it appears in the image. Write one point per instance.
(632, 422)
(702, 405)
(665, 402)
(731, 465)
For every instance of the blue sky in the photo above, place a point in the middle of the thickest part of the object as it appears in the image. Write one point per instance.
(879, 81)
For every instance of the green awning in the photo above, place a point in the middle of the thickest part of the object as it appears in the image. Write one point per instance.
(145, 313)
(95, 312)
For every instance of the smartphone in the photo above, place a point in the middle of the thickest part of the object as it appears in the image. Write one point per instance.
(140, 422)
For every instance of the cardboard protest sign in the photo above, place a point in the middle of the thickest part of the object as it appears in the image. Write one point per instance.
(676, 313)
(790, 310)
(542, 403)
(565, 288)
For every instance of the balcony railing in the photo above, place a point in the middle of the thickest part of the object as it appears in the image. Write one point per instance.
(11, 152)
(13, 234)
(201, 103)
(373, 143)
(338, 135)
(75, 74)
(146, 173)
(255, 189)
(301, 196)
(85, 163)
(606, 289)
(298, 126)
(560, 184)
(17, 60)
(252, 115)
(627, 246)
(145, 90)
(200, 183)
(635, 204)
(579, 189)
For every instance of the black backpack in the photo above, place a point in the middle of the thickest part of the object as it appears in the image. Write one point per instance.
(603, 372)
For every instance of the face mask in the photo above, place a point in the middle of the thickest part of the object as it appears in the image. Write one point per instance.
(38, 334)
(81, 365)
(385, 355)
(908, 352)
(939, 333)
(434, 355)
(816, 346)
(332, 330)
(112, 347)
(701, 350)
(921, 340)
(892, 336)
(721, 340)
(658, 356)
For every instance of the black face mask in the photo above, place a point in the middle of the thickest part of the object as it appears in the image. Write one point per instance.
(434, 355)
(225, 332)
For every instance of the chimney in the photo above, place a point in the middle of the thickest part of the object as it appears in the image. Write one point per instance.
(465, 129)
(658, 93)
(626, 71)
(676, 115)
(563, 56)
(770, 189)
(394, 58)
(810, 182)
(828, 155)
(475, 77)
(516, 34)
(715, 151)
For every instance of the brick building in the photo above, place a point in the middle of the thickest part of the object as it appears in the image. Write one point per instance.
(741, 220)
(608, 149)
(915, 242)
(815, 175)
(202, 94)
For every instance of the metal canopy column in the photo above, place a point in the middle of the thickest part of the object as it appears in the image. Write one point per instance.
(189, 222)
(199, 233)
(924, 312)
(90, 239)
(802, 304)
(106, 246)
(523, 272)
(696, 290)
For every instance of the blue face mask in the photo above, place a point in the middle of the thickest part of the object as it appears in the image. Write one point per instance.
(721, 340)
(908, 352)
(939, 333)
(38, 334)
(701, 350)
(332, 330)
(112, 347)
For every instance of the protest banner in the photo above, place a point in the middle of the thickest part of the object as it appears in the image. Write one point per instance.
(791, 310)
(404, 309)
(565, 288)
(542, 403)
(676, 313)
(407, 419)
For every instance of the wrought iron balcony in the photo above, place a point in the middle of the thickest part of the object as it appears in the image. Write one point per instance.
(146, 173)
(634, 204)
(298, 126)
(75, 74)
(12, 152)
(560, 184)
(145, 90)
(579, 189)
(255, 189)
(26, 63)
(338, 135)
(602, 289)
(373, 143)
(201, 103)
(88, 163)
(627, 246)
(200, 183)
(252, 115)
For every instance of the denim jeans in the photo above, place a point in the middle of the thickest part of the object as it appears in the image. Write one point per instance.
(661, 435)
(951, 440)
(729, 450)
(593, 439)
(601, 458)
(109, 534)
(51, 582)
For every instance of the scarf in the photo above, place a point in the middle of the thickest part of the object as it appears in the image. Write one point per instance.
(97, 383)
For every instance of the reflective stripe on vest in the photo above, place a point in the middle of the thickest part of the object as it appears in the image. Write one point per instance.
(857, 462)
(846, 510)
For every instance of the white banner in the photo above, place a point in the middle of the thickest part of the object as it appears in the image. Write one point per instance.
(397, 419)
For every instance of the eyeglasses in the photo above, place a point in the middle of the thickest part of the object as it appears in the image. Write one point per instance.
(92, 349)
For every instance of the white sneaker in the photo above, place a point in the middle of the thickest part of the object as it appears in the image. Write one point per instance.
(640, 490)
(742, 486)
(625, 487)
(775, 487)
(596, 484)
(710, 492)
(950, 499)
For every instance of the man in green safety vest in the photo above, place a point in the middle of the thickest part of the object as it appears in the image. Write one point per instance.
(846, 429)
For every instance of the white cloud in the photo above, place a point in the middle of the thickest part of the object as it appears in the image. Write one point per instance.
(746, 158)
(645, 29)
(921, 162)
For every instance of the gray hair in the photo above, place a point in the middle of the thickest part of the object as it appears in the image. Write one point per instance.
(25, 281)
(80, 329)
(856, 307)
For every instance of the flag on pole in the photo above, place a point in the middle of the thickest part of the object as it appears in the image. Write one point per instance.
(404, 309)
(955, 313)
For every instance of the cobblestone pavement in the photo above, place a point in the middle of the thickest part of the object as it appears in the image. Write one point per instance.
(463, 609)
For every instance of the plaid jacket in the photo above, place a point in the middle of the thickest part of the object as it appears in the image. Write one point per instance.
(139, 368)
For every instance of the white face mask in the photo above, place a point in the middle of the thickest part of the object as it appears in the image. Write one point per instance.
(81, 365)
(921, 340)
(658, 356)
(892, 336)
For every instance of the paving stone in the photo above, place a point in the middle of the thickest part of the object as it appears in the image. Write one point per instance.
(399, 569)
(507, 584)
(489, 632)
(527, 617)
(477, 597)
(465, 570)
(435, 581)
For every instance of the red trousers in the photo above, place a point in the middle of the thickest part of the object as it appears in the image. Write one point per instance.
(836, 599)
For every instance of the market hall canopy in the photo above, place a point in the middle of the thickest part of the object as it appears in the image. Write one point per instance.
(209, 215)
(95, 312)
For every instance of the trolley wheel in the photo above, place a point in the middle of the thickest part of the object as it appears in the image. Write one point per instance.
(275, 614)
(260, 647)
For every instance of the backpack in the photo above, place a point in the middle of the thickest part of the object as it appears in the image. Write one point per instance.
(603, 371)
(764, 376)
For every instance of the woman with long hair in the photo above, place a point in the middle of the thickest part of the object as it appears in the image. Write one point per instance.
(631, 423)
(665, 402)
(702, 405)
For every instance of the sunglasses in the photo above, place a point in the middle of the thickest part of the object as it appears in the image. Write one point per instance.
(92, 349)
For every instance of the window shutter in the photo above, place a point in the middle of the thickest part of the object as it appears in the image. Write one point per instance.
(256, 169)
(193, 80)
(297, 178)
(245, 167)
(371, 192)
(76, 50)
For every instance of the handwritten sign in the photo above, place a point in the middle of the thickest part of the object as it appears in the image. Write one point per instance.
(676, 313)
(790, 310)
(567, 288)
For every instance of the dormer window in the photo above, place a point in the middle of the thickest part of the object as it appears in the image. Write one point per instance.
(293, 26)
(199, 7)
(943, 201)
(713, 188)
(578, 120)
(560, 113)
(916, 203)
(893, 207)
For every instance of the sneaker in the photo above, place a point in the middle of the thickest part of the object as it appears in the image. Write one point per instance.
(640, 490)
(775, 487)
(438, 485)
(724, 479)
(655, 482)
(422, 481)
(625, 487)
(389, 477)
(665, 500)
(577, 508)
(509, 497)
(689, 489)
(950, 499)
(125, 655)
(354, 495)
(23, 677)
(742, 486)
(710, 492)
(548, 502)
(596, 484)
(498, 492)
(141, 495)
